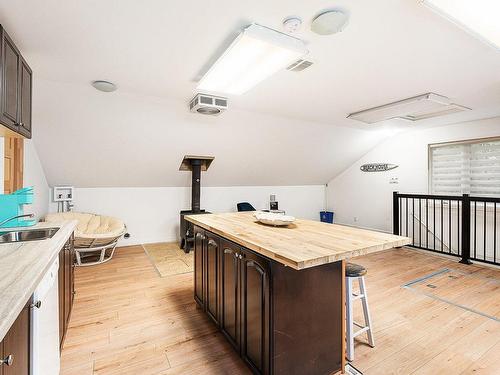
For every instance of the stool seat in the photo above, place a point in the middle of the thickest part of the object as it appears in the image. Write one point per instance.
(354, 270)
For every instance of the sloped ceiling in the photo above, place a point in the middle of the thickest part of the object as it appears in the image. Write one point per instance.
(291, 129)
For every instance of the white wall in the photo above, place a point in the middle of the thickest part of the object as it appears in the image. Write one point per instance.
(91, 139)
(152, 214)
(34, 176)
(365, 199)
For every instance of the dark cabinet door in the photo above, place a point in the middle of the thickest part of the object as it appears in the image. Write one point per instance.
(230, 291)
(199, 266)
(212, 276)
(71, 244)
(67, 283)
(16, 345)
(25, 81)
(11, 59)
(255, 311)
(60, 275)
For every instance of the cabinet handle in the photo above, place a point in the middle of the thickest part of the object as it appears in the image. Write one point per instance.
(21, 124)
(9, 360)
(212, 243)
(37, 304)
(228, 251)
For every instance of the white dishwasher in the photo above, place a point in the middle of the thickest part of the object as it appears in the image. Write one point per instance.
(45, 325)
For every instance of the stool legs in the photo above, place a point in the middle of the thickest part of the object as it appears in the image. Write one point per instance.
(350, 323)
(349, 320)
(366, 311)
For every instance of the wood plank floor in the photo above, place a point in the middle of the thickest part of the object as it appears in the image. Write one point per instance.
(128, 320)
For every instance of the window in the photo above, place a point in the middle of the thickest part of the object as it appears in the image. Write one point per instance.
(470, 167)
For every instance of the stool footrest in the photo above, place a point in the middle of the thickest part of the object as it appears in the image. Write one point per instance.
(362, 330)
(357, 296)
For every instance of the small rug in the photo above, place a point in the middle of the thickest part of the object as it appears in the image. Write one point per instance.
(169, 259)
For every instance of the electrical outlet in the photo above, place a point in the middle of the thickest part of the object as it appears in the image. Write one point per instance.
(355, 219)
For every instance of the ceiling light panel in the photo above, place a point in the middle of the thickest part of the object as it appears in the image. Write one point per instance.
(480, 17)
(257, 53)
(412, 109)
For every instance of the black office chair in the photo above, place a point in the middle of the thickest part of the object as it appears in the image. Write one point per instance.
(245, 206)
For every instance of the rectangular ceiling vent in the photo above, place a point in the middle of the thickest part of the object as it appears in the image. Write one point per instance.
(208, 104)
(420, 107)
(299, 65)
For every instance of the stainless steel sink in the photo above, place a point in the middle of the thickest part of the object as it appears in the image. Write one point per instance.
(27, 235)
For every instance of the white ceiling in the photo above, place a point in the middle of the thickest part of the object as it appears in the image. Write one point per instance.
(391, 49)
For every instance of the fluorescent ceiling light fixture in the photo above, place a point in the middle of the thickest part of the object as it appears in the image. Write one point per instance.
(480, 17)
(257, 53)
(420, 107)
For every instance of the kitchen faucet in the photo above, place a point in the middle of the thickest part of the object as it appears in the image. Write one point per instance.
(15, 217)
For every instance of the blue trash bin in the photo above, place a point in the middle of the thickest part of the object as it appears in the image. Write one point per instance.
(326, 216)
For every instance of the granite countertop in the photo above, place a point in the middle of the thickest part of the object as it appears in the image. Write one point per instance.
(303, 244)
(22, 267)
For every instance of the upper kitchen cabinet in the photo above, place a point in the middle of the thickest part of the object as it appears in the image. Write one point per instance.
(16, 89)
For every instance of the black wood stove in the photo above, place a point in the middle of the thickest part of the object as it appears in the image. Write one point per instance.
(195, 164)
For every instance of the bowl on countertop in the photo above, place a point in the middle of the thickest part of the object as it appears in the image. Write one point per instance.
(277, 220)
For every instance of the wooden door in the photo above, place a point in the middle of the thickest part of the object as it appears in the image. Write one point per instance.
(255, 311)
(11, 59)
(13, 164)
(25, 81)
(60, 275)
(230, 253)
(199, 266)
(212, 275)
(16, 344)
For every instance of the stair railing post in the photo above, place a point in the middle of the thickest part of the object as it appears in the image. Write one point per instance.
(465, 238)
(395, 213)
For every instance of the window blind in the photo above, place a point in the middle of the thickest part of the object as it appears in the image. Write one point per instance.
(466, 168)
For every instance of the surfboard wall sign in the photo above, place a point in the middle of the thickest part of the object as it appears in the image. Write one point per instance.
(377, 167)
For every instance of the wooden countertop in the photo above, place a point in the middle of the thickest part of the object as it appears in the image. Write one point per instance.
(303, 244)
(22, 267)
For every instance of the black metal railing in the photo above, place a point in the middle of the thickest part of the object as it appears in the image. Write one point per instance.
(461, 226)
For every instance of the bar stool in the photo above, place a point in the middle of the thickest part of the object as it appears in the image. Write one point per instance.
(356, 272)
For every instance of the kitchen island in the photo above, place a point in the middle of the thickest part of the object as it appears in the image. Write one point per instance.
(277, 293)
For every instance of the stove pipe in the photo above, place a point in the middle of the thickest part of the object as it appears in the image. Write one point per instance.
(195, 185)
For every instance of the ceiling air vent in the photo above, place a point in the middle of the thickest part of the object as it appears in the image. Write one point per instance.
(420, 107)
(299, 65)
(208, 104)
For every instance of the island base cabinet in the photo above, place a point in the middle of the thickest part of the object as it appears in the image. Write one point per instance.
(279, 320)
(15, 346)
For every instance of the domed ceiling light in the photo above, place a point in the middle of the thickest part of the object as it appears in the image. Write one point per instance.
(329, 22)
(104, 86)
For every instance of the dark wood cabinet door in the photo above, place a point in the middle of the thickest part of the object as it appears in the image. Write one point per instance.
(60, 275)
(212, 275)
(25, 81)
(72, 256)
(229, 291)
(67, 283)
(16, 345)
(11, 59)
(199, 266)
(255, 311)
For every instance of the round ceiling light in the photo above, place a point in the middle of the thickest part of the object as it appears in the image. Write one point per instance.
(104, 86)
(329, 22)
